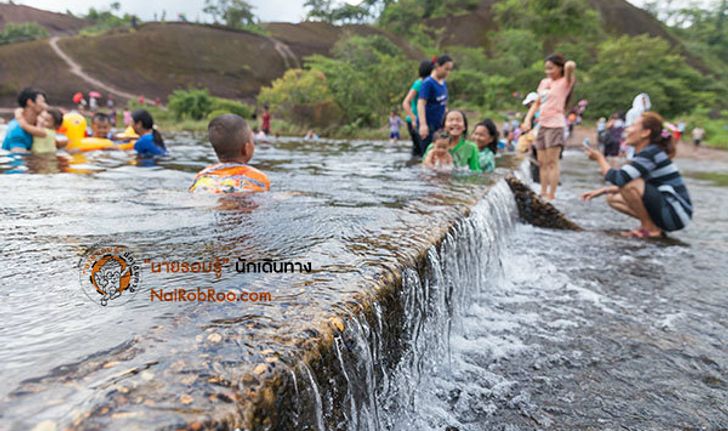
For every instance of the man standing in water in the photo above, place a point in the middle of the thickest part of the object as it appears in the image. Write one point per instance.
(33, 103)
(432, 103)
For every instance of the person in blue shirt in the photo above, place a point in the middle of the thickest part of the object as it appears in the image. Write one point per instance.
(33, 102)
(432, 103)
(150, 142)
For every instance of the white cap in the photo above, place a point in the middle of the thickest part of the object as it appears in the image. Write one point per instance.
(531, 97)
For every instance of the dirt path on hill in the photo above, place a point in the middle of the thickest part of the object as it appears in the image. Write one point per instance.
(77, 70)
(289, 58)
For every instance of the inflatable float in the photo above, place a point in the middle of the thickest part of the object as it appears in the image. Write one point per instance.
(74, 127)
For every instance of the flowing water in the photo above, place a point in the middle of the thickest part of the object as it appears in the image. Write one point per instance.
(353, 210)
(588, 330)
(503, 326)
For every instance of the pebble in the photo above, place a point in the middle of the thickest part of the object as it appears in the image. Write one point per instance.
(45, 426)
(214, 337)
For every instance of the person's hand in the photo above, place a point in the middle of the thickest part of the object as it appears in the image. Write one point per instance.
(586, 197)
(525, 126)
(593, 154)
(424, 130)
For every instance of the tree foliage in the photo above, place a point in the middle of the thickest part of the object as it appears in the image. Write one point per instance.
(359, 85)
(232, 13)
(628, 66)
(20, 32)
(302, 97)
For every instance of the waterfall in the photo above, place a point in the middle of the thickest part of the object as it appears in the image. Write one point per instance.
(369, 381)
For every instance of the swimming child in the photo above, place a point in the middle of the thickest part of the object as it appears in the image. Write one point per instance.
(150, 142)
(101, 126)
(439, 156)
(44, 135)
(233, 142)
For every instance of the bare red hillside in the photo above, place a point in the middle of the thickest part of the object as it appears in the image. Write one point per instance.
(56, 23)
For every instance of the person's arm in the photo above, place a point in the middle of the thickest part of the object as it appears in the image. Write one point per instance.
(586, 197)
(33, 130)
(526, 125)
(425, 93)
(424, 130)
(640, 166)
(570, 72)
(600, 159)
(407, 104)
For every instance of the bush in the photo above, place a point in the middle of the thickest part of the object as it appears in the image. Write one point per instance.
(302, 97)
(190, 104)
(231, 107)
(21, 32)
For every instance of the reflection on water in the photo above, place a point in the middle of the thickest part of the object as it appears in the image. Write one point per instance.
(352, 209)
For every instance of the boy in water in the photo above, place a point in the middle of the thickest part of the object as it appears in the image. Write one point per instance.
(101, 126)
(439, 157)
(233, 143)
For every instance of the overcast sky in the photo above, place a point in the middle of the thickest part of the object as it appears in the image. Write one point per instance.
(267, 10)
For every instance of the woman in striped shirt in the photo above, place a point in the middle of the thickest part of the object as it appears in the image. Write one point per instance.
(649, 187)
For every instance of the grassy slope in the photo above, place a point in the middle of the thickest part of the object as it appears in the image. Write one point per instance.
(35, 64)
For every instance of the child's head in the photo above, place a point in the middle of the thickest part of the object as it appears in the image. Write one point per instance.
(50, 119)
(441, 142)
(231, 138)
(142, 121)
(485, 134)
(101, 125)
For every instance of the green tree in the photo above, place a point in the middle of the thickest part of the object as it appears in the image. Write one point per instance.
(319, 10)
(233, 13)
(628, 66)
(302, 97)
(553, 21)
(367, 77)
(349, 14)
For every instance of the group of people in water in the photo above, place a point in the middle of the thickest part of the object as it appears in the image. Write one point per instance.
(647, 187)
(39, 129)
